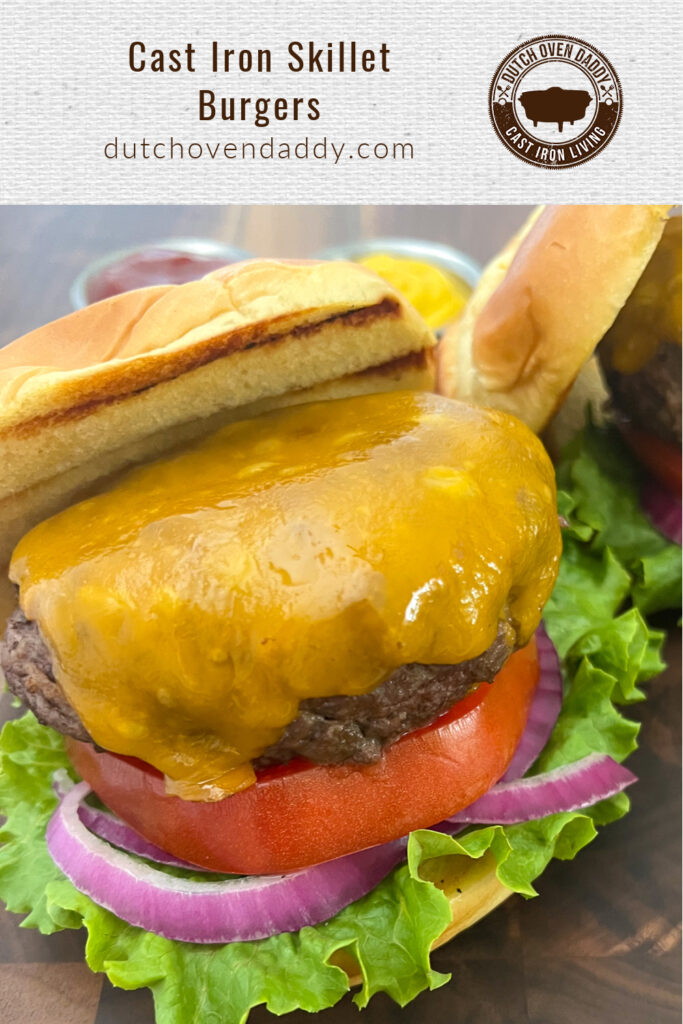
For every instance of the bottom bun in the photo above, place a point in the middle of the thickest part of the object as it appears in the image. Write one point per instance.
(472, 888)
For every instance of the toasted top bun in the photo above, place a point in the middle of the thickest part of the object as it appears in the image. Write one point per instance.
(543, 304)
(129, 378)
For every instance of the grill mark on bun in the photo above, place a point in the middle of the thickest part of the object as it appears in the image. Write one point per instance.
(171, 365)
(411, 361)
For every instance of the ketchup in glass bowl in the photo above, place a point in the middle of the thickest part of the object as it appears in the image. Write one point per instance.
(174, 261)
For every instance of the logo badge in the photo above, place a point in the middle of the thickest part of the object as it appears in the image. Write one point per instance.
(555, 101)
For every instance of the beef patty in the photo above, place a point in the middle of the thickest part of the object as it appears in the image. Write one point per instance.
(27, 666)
(650, 398)
(327, 730)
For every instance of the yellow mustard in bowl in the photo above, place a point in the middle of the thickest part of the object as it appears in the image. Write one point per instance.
(436, 294)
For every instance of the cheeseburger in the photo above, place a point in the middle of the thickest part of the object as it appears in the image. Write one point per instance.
(311, 583)
(314, 583)
(582, 307)
(640, 357)
(277, 605)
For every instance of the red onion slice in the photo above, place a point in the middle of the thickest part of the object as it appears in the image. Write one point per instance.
(236, 910)
(544, 711)
(569, 788)
(110, 828)
(664, 510)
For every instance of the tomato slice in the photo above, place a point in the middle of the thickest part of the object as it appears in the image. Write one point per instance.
(661, 458)
(302, 813)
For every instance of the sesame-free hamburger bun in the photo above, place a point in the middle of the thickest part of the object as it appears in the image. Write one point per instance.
(543, 305)
(128, 378)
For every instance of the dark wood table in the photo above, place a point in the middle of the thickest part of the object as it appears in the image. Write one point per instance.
(602, 943)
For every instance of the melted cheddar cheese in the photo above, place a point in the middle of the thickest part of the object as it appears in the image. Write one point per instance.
(306, 553)
(652, 314)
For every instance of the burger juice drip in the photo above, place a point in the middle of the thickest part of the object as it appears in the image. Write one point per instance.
(306, 553)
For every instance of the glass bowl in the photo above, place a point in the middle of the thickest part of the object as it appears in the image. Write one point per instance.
(170, 261)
